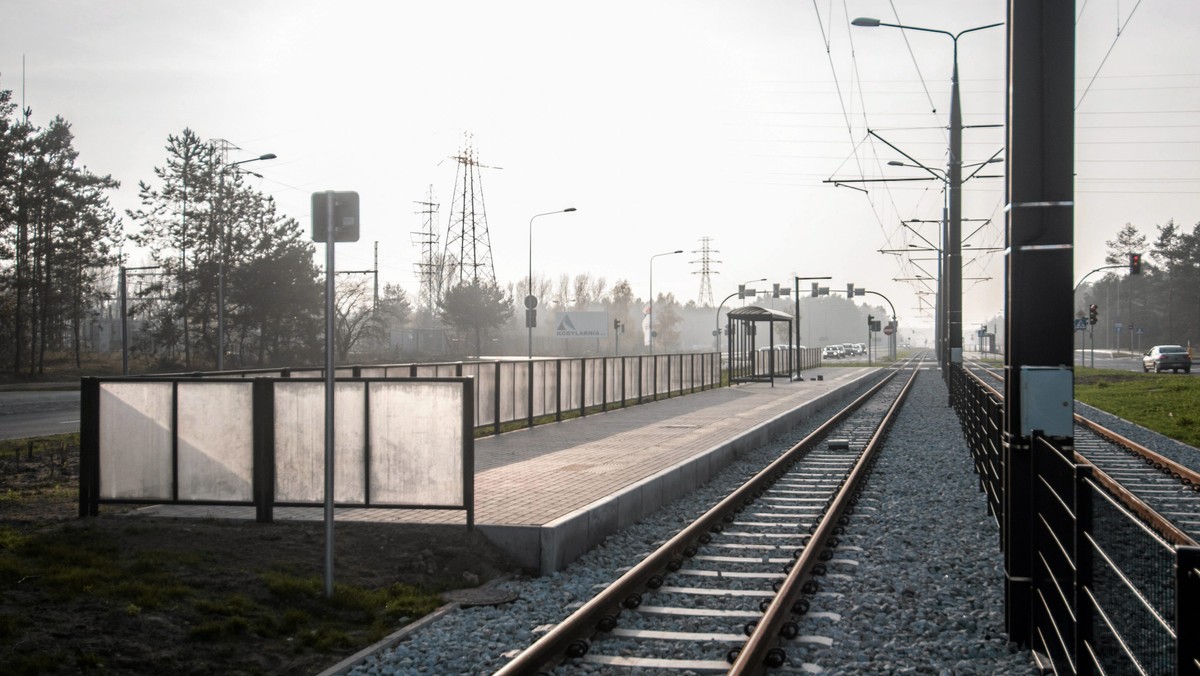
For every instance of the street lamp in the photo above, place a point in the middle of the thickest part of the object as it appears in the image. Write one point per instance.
(742, 286)
(953, 178)
(530, 299)
(221, 265)
(665, 253)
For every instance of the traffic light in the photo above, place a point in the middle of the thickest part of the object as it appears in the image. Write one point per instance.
(1135, 263)
(775, 291)
(741, 291)
(1092, 312)
(816, 290)
(849, 290)
(870, 320)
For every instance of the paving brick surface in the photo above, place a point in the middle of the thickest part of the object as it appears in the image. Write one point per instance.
(534, 476)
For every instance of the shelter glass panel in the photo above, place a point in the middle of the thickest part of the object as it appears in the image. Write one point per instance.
(216, 461)
(417, 449)
(135, 440)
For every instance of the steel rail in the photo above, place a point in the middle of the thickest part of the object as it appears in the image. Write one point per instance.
(760, 650)
(567, 639)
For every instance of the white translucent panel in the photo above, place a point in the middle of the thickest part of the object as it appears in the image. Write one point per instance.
(300, 442)
(308, 373)
(343, 373)
(135, 440)
(542, 391)
(485, 392)
(427, 370)
(397, 371)
(506, 389)
(447, 370)
(630, 375)
(215, 441)
(371, 372)
(677, 373)
(570, 384)
(520, 390)
(594, 377)
(417, 443)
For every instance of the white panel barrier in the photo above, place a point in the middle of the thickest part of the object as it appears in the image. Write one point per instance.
(260, 442)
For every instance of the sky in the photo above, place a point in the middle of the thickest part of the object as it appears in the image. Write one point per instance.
(660, 121)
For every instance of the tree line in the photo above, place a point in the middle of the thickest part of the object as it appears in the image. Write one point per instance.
(1161, 304)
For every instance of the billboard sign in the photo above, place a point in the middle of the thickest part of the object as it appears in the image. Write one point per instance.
(581, 325)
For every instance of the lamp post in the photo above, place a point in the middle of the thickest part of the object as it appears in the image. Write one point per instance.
(742, 286)
(221, 267)
(530, 299)
(953, 178)
(665, 253)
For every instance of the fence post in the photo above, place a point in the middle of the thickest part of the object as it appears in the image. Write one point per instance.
(604, 384)
(582, 386)
(1084, 572)
(496, 390)
(1187, 609)
(558, 405)
(529, 365)
(89, 447)
(641, 375)
(263, 417)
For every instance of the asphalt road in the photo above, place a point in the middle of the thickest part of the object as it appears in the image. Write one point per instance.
(35, 414)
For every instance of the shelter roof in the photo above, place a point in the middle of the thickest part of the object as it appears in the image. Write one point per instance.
(754, 313)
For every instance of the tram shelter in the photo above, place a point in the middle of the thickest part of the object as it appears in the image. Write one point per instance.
(755, 359)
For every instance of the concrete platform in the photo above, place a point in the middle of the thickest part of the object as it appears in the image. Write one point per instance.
(549, 494)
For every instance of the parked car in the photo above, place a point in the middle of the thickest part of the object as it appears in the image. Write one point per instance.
(1164, 357)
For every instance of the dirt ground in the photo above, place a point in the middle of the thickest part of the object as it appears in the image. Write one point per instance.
(85, 634)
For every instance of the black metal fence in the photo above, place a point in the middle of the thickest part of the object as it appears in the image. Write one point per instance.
(1111, 594)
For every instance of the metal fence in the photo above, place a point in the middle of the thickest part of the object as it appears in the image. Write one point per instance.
(260, 442)
(513, 391)
(1111, 593)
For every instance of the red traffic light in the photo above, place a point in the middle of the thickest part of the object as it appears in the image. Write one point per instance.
(1135, 263)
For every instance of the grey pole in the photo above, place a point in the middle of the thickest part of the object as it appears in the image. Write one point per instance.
(666, 253)
(329, 385)
(529, 283)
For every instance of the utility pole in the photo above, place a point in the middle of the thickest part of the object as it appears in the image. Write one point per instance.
(706, 262)
(428, 268)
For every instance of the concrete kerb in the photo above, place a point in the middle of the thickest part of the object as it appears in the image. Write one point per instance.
(572, 535)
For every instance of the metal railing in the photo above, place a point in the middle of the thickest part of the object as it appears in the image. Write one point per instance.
(1111, 593)
(521, 390)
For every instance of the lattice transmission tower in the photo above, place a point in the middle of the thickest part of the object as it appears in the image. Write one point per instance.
(430, 263)
(706, 271)
(468, 253)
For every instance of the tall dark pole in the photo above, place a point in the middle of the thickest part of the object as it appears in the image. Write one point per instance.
(221, 261)
(1038, 275)
(950, 288)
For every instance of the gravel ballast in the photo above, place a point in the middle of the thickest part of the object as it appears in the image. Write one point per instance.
(925, 594)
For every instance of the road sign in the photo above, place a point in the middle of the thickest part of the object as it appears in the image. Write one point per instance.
(887, 330)
(1080, 323)
(344, 216)
(530, 301)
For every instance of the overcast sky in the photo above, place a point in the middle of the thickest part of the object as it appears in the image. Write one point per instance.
(661, 121)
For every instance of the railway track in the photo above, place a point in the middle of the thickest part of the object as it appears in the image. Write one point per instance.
(733, 590)
(1164, 492)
